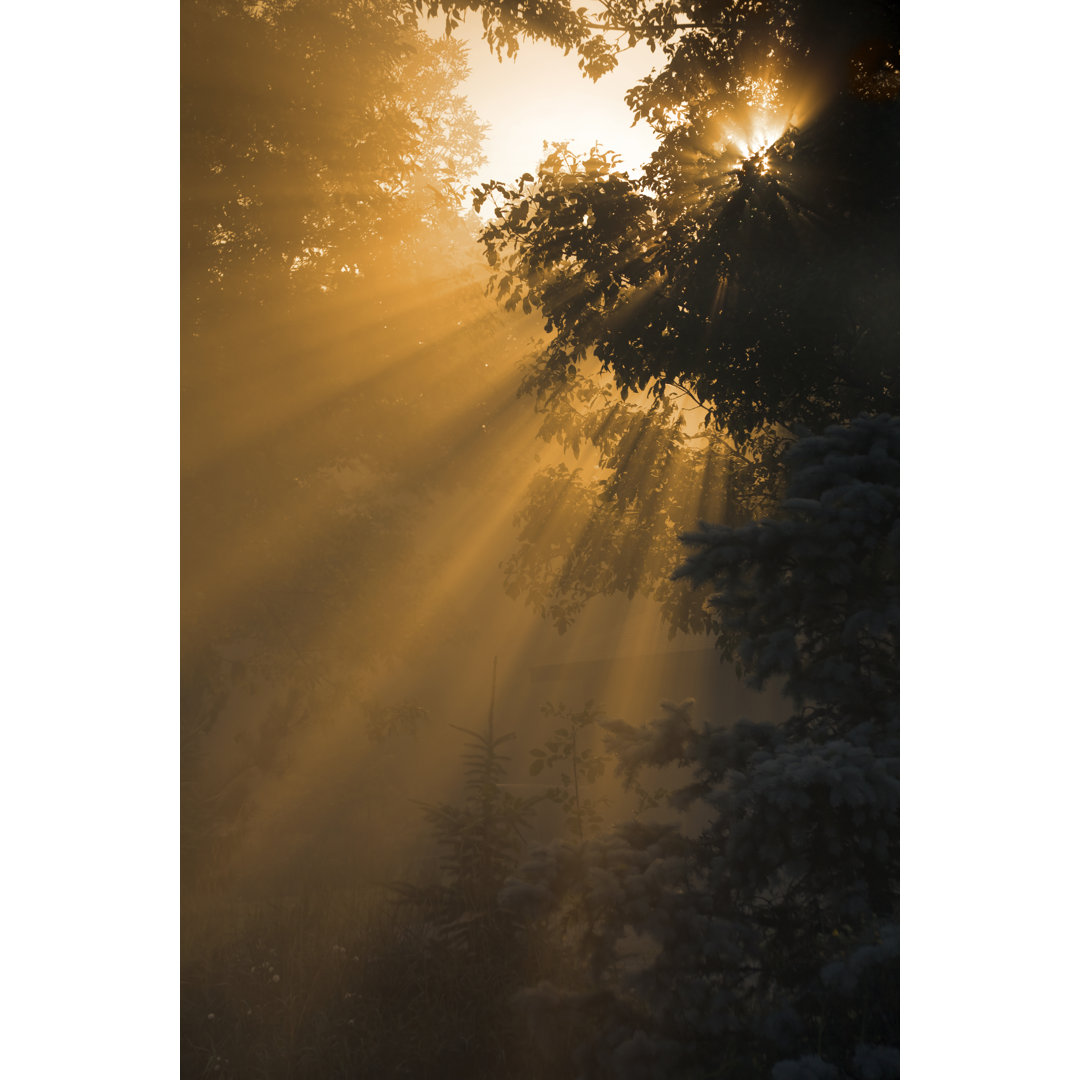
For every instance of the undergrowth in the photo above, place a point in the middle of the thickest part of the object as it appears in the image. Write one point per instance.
(348, 986)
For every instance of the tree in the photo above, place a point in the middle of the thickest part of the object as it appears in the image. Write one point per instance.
(480, 839)
(754, 262)
(323, 145)
(317, 136)
(749, 274)
(764, 942)
(468, 934)
(645, 472)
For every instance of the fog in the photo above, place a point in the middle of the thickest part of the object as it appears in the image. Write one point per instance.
(346, 521)
(354, 458)
(498, 635)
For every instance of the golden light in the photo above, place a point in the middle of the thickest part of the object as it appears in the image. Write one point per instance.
(762, 93)
(768, 109)
(752, 135)
(676, 116)
(297, 556)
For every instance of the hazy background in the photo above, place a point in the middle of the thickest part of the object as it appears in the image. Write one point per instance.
(355, 455)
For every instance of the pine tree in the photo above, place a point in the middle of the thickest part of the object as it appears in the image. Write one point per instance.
(765, 941)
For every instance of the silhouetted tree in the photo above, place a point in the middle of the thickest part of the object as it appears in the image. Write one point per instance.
(754, 262)
(491, 953)
(479, 840)
(750, 270)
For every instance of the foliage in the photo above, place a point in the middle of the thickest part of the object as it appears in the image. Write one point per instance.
(610, 525)
(814, 595)
(507, 23)
(765, 942)
(753, 263)
(750, 271)
(311, 131)
(565, 749)
(323, 147)
(480, 839)
(734, 36)
(765, 288)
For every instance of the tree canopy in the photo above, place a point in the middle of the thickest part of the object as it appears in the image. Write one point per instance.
(754, 260)
(316, 136)
(745, 279)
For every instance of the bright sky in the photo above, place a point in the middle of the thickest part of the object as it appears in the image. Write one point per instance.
(541, 95)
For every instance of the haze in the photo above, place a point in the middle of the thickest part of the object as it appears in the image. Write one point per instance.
(539, 559)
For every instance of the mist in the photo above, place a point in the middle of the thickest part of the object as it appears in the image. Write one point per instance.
(462, 615)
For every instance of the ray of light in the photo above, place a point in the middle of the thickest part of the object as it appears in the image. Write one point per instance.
(306, 378)
(354, 348)
(294, 519)
(457, 570)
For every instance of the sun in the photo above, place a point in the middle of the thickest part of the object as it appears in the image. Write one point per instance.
(755, 132)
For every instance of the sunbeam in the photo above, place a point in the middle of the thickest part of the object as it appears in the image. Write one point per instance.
(522, 622)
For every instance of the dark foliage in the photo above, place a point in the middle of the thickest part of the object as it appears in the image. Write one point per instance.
(480, 840)
(765, 942)
(765, 283)
(750, 273)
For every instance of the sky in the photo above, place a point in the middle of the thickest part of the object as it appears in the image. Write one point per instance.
(541, 94)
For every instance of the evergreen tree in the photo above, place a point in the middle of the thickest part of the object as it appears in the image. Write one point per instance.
(765, 941)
